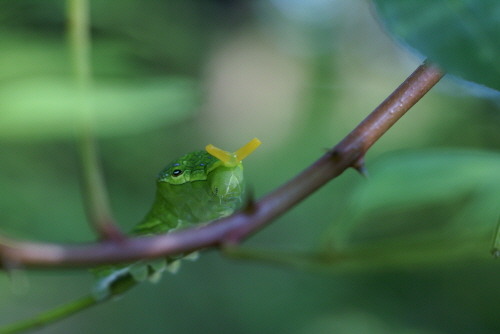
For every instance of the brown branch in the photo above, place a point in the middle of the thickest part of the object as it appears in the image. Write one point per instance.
(348, 153)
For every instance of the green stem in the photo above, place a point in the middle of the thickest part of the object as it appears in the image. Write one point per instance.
(387, 254)
(96, 196)
(64, 311)
(51, 316)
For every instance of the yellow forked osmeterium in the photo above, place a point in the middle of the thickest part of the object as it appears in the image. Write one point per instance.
(232, 159)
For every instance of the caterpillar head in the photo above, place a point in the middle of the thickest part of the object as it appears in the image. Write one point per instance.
(223, 170)
(226, 180)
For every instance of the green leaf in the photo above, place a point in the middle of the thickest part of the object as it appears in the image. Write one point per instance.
(444, 192)
(462, 36)
(46, 107)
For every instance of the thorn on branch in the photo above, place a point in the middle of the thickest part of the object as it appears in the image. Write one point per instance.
(335, 154)
(250, 205)
(360, 166)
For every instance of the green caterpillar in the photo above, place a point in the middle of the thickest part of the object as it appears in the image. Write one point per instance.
(199, 187)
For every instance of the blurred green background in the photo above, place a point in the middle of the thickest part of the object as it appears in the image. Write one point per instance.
(172, 76)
